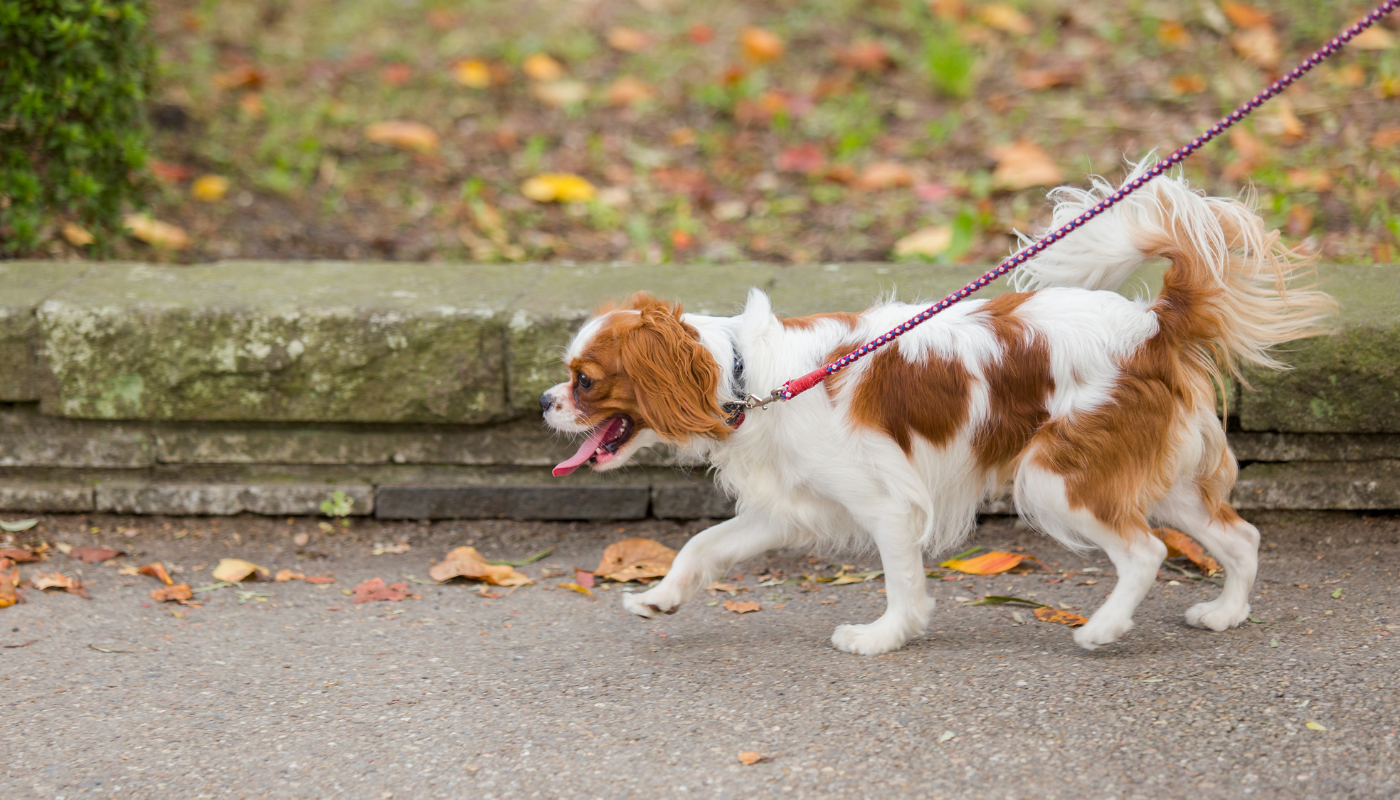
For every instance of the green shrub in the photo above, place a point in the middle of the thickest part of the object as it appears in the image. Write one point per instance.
(74, 76)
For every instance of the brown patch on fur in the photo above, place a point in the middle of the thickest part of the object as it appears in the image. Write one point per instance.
(901, 398)
(809, 321)
(1019, 386)
(651, 367)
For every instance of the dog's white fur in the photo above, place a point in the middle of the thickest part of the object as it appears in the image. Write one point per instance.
(805, 476)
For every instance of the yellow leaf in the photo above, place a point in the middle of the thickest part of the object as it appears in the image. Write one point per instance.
(403, 134)
(761, 46)
(628, 40)
(76, 234)
(1180, 545)
(1314, 726)
(541, 67)
(156, 233)
(558, 187)
(750, 757)
(1005, 19)
(1373, 38)
(1047, 614)
(1023, 165)
(209, 188)
(466, 562)
(929, 241)
(559, 94)
(631, 559)
(993, 563)
(577, 588)
(473, 73)
(234, 570)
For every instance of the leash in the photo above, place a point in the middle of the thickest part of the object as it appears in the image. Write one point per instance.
(797, 386)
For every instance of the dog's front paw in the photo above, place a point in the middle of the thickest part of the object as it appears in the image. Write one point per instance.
(1216, 615)
(649, 605)
(868, 640)
(1098, 632)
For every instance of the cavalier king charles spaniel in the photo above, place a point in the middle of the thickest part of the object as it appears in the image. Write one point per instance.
(1098, 410)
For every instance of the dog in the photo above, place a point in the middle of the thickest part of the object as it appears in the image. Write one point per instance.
(1099, 410)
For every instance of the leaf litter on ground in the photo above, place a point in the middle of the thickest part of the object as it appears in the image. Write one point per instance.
(235, 570)
(635, 559)
(93, 555)
(1048, 614)
(991, 563)
(1179, 545)
(375, 589)
(18, 525)
(57, 580)
(466, 562)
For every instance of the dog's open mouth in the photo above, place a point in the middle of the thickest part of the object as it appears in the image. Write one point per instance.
(602, 444)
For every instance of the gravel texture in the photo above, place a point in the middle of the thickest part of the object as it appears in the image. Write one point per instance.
(545, 692)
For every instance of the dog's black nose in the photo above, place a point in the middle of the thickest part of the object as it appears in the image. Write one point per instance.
(546, 402)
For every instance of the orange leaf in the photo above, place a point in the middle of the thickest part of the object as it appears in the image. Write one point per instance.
(1187, 84)
(868, 56)
(1244, 15)
(1259, 46)
(761, 46)
(628, 40)
(750, 757)
(1048, 614)
(1023, 165)
(466, 562)
(1049, 77)
(404, 135)
(18, 555)
(541, 67)
(320, 579)
(742, 607)
(627, 90)
(1180, 545)
(1173, 34)
(180, 593)
(1386, 137)
(631, 559)
(575, 587)
(284, 575)
(472, 73)
(170, 173)
(239, 77)
(375, 589)
(8, 582)
(60, 581)
(993, 563)
(156, 570)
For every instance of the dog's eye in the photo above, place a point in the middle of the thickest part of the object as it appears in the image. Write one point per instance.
(584, 382)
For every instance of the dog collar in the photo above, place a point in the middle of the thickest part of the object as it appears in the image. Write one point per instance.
(734, 412)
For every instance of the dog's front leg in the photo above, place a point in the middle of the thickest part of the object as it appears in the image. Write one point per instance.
(906, 592)
(705, 557)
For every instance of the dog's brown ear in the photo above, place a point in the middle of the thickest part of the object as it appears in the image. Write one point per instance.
(675, 377)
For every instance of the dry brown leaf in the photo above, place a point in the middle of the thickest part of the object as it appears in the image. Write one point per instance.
(1049, 77)
(234, 570)
(244, 77)
(19, 555)
(252, 105)
(884, 175)
(1048, 614)
(156, 233)
(58, 580)
(627, 90)
(1386, 137)
(1179, 545)
(284, 575)
(632, 559)
(761, 46)
(867, 56)
(1243, 15)
(1173, 34)
(807, 158)
(930, 241)
(1373, 38)
(1300, 220)
(1350, 75)
(628, 40)
(1252, 154)
(750, 757)
(1006, 19)
(8, 594)
(1284, 122)
(742, 606)
(1187, 84)
(542, 67)
(1023, 165)
(558, 187)
(76, 235)
(559, 94)
(209, 188)
(466, 562)
(179, 593)
(1315, 180)
(93, 555)
(375, 589)
(404, 135)
(156, 570)
(319, 579)
(472, 73)
(1259, 46)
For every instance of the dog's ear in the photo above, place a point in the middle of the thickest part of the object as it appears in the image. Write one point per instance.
(675, 377)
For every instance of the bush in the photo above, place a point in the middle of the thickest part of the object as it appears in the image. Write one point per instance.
(74, 76)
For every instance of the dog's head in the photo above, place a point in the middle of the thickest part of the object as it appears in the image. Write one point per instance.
(638, 374)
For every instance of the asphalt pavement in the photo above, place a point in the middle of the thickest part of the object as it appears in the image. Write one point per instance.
(291, 690)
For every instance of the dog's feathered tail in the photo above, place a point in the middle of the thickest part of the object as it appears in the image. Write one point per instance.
(1230, 294)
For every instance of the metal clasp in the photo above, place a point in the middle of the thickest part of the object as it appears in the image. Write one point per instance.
(752, 402)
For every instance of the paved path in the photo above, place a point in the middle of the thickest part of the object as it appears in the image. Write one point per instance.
(547, 693)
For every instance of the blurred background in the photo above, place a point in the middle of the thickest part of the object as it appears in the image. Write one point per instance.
(782, 130)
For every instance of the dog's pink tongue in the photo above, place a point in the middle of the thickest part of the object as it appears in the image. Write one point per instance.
(585, 451)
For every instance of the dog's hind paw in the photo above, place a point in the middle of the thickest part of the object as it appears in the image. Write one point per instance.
(1216, 616)
(647, 606)
(868, 640)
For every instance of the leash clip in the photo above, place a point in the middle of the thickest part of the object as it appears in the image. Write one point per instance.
(752, 402)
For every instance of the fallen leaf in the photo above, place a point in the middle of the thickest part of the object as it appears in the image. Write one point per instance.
(169, 173)
(396, 74)
(541, 67)
(1023, 165)
(1281, 121)
(472, 73)
(806, 158)
(1314, 726)
(1180, 545)
(156, 233)
(627, 90)
(1251, 151)
(583, 578)
(156, 570)
(750, 757)
(301, 539)
(1049, 77)
(992, 563)
(631, 559)
(520, 562)
(284, 575)
(466, 562)
(1001, 600)
(8, 593)
(1173, 34)
(93, 555)
(252, 105)
(1048, 614)
(375, 589)
(761, 46)
(19, 555)
(1259, 46)
(1349, 75)
(856, 577)
(1243, 15)
(179, 593)
(577, 588)
(1386, 137)
(1337, 593)
(628, 40)
(391, 549)
(559, 94)
(233, 570)
(1300, 220)
(742, 607)
(404, 135)
(930, 241)
(58, 580)
(884, 175)
(319, 579)
(239, 77)
(1373, 38)
(1006, 19)
(76, 234)
(945, 736)
(209, 188)
(1187, 84)
(867, 56)
(558, 187)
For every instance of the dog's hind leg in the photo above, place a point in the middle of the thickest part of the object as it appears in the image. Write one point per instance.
(705, 557)
(1136, 554)
(1233, 542)
(906, 592)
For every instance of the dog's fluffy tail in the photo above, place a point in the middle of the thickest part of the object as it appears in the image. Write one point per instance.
(1231, 291)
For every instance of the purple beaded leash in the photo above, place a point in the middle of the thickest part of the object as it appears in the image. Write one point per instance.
(797, 386)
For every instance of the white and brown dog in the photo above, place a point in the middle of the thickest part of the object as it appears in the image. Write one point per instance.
(1100, 409)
